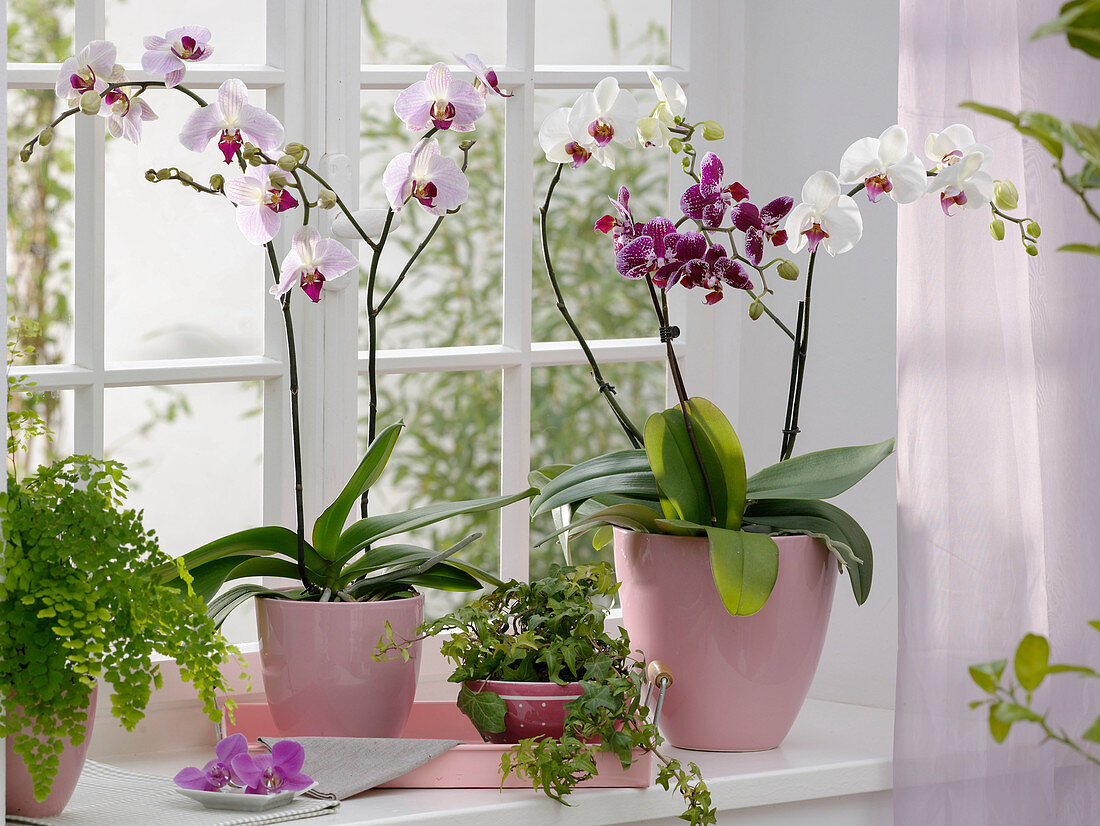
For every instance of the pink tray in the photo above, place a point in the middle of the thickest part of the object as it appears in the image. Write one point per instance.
(471, 765)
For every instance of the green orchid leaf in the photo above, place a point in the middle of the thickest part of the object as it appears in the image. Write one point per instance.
(208, 579)
(370, 530)
(485, 709)
(444, 577)
(402, 574)
(386, 556)
(1079, 21)
(1032, 659)
(270, 566)
(680, 527)
(327, 528)
(631, 517)
(822, 529)
(745, 567)
(272, 539)
(543, 476)
(724, 459)
(222, 605)
(802, 515)
(603, 536)
(988, 675)
(477, 573)
(1088, 249)
(598, 476)
(992, 111)
(822, 474)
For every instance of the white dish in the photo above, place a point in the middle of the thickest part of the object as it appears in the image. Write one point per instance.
(238, 801)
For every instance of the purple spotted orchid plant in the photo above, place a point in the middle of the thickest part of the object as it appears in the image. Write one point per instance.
(275, 181)
(684, 472)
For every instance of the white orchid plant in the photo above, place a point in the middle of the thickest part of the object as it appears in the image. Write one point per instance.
(274, 181)
(684, 472)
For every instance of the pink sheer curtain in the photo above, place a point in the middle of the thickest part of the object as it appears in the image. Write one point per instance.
(998, 431)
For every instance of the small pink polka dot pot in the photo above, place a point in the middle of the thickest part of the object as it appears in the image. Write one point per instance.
(534, 709)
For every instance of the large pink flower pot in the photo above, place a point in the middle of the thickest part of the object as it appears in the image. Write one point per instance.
(20, 789)
(318, 672)
(739, 682)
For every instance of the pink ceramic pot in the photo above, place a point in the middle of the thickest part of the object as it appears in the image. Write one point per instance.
(20, 790)
(739, 682)
(532, 708)
(318, 672)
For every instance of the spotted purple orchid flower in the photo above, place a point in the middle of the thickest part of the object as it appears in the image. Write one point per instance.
(714, 271)
(623, 229)
(169, 55)
(761, 224)
(233, 120)
(688, 249)
(260, 197)
(434, 180)
(708, 200)
(93, 69)
(314, 263)
(125, 114)
(280, 771)
(653, 249)
(441, 101)
(218, 773)
(485, 78)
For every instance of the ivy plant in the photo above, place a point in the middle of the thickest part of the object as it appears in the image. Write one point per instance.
(553, 630)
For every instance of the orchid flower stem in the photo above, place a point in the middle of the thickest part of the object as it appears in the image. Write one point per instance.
(606, 389)
(372, 352)
(798, 366)
(340, 203)
(296, 435)
(760, 300)
(660, 308)
(794, 381)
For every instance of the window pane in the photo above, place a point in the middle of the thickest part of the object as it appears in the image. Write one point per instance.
(449, 451)
(40, 32)
(194, 454)
(434, 31)
(237, 29)
(603, 304)
(605, 31)
(181, 280)
(570, 422)
(55, 407)
(452, 294)
(40, 249)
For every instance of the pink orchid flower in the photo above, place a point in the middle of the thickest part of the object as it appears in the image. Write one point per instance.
(314, 263)
(280, 771)
(91, 70)
(442, 101)
(218, 773)
(125, 114)
(259, 199)
(485, 78)
(170, 54)
(233, 118)
(432, 179)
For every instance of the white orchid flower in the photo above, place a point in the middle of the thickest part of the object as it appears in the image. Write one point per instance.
(656, 128)
(961, 163)
(825, 217)
(93, 69)
(125, 114)
(314, 263)
(606, 115)
(562, 144)
(884, 165)
(259, 200)
(233, 118)
(434, 180)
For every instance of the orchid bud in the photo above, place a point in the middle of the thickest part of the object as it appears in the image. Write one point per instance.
(1005, 195)
(90, 102)
(1031, 249)
(164, 174)
(45, 137)
(25, 154)
(326, 199)
(466, 146)
(287, 163)
(184, 177)
(255, 160)
(248, 151)
(686, 163)
(1033, 229)
(295, 150)
(151, 175)
(997, 229)
(217, 182)
(713, 131)
(756, 309)
(676, 145)
(788, 270)
(277, 178)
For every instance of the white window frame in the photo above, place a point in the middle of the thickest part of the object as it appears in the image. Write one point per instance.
(313, 83)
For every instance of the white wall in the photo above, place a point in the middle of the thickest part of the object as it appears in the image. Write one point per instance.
(818, 76)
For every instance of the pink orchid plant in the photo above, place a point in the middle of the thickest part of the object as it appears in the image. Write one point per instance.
(278, 183)
(685, 471)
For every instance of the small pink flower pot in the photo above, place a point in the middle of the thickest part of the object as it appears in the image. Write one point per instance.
(533, 709)
(738, 682)
(20, 790)
(318, 672)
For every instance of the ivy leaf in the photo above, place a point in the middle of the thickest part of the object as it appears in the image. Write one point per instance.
(485, 709)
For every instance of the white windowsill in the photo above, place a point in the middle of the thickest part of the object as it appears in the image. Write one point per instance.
(834, 751)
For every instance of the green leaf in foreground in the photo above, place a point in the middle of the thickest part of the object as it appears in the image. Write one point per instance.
(485, 709)
(745, 567)
(1092, 733)
(987, 675)
(1032, 659)
(997, 727)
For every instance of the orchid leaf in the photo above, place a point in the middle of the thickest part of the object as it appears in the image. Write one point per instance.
(604, 536)
(369, 530)
(680, 527)
(270, 566)
(631, 517)
(264, 541)
(623, 472)
(444, 577)
(404, 574)
(813, 516)
(208, 579)
(223, 604)
(745, 567)
(1079, 21)
(822, 474)
(543, 476)
(992, 111)
(1088, 249)
(327, 528)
